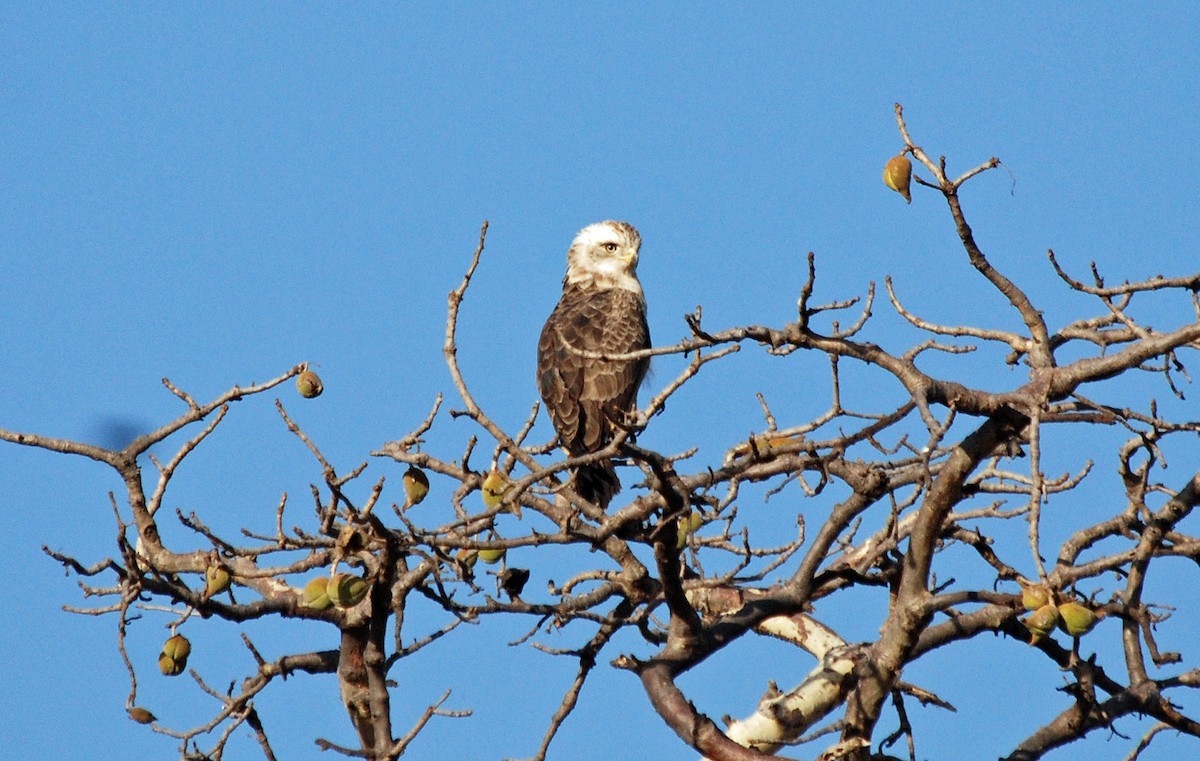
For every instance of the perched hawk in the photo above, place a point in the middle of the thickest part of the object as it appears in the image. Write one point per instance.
(602, 311)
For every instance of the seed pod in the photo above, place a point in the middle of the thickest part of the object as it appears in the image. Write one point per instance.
(491, 557)
(1076, 619)
(316, 595)
(416, 485)
(467, 557)
(493, 489)
(351, 539)
(1034, 596)
(309, 385)
(141, 715)
(177, 648)
(687, 527)
(216, 580)
(513, 580)
(1041, 622)
(346, 590)
(173, 658)
(169, 666)
(897, 175)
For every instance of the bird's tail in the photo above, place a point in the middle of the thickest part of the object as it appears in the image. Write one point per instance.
(597, 483)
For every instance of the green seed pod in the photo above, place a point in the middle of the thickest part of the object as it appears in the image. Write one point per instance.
(687, 527)
(493, 489)
(173, 658)
(309, 385)
(216, 580)
(491, 557)
(416, 485)
(1041, 622)
(1076, 619)
(177, 648)
(316, 595)
(1034, 596)
(346, 590)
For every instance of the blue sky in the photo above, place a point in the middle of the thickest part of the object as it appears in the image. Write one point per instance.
(214, 193)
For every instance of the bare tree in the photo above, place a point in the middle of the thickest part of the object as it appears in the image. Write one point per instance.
(934, 462)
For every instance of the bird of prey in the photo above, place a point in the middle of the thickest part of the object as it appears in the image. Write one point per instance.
(602, 312)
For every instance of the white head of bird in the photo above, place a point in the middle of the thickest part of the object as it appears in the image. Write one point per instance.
(605, 255)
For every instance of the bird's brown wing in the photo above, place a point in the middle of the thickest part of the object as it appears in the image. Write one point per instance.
(584, 394)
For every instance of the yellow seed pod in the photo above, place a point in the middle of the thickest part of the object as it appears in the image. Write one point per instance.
(687, 527)
(177, 648)
(333, 587)
(1041, 622)
(493, 489)
(1034, 596)
(346, 590)
(467, 557)
(416, 485)
(216, 580)
(169, 666)
(316, 596)
(1076, 619)
(141, 715)
(897, 175)
(491, 557)
(309, 385)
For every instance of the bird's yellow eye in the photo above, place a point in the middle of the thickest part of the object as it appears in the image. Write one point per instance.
(610, 247)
